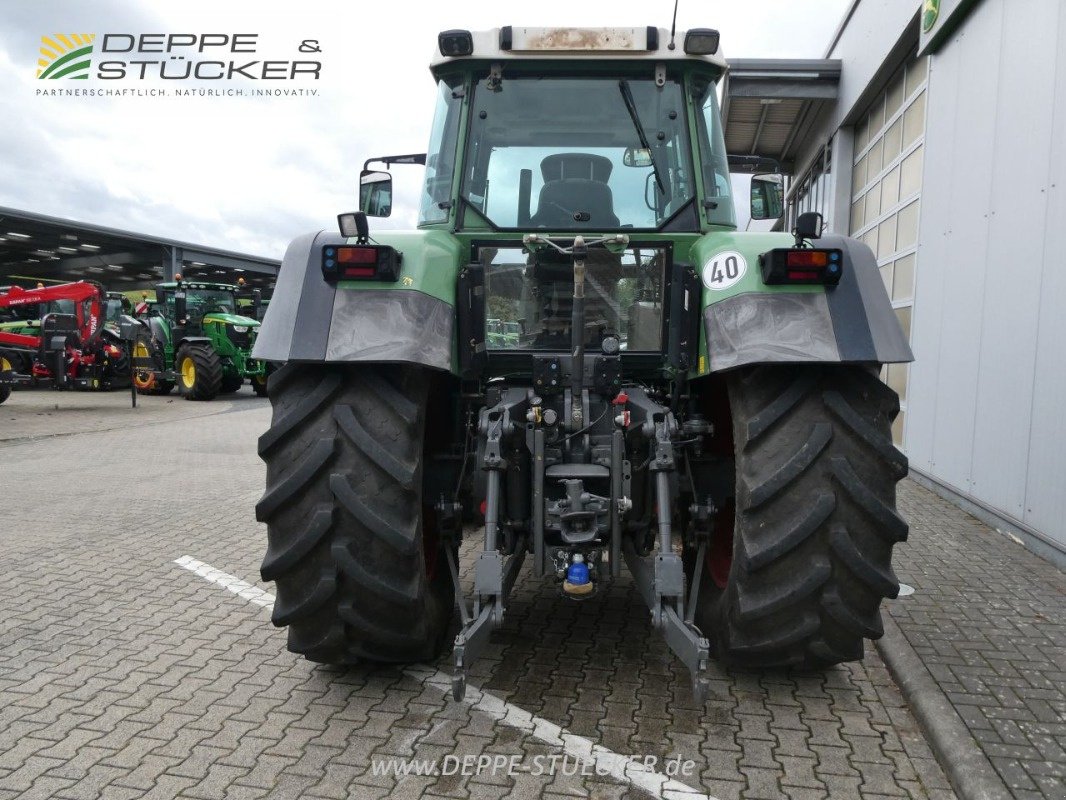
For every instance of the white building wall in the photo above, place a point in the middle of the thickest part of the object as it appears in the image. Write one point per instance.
(987, 393)
(863, 43)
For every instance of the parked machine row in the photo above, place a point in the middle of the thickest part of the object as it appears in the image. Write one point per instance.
(194, 335)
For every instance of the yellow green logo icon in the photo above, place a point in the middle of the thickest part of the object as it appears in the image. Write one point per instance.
(65, 55)
(930, 12)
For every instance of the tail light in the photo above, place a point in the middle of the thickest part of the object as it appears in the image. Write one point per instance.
(802, 266)
(360, 262)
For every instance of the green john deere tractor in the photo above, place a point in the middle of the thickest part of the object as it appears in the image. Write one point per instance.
(193, 337)
(578, 349)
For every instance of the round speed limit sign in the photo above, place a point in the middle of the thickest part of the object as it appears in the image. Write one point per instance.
(724, 270)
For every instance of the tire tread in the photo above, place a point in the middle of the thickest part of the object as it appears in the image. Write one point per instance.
(343, 512)
(815, 521)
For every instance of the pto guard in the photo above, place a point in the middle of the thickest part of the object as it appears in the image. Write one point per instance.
(311, 320)
(851, 323)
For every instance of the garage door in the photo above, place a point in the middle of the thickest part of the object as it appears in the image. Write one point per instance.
(886, 190)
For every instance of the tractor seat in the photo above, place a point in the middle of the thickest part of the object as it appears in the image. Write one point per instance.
(561, 199)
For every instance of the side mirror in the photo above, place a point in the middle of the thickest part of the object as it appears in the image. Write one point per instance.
(637, 157)
(375, 193)
(181, 308)
(808, 226)
(767, 196)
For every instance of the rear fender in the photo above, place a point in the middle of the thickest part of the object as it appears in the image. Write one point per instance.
(853, 322)
(411, 321)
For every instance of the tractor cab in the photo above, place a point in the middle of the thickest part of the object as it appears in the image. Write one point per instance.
(190, 304)
(598, 130)
(117, 306)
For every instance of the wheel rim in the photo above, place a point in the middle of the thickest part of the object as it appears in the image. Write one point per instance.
(5, 365)
(188, 372)
(142, 378)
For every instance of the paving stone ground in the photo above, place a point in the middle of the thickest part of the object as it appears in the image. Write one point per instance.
(123, 675)
(988, 619)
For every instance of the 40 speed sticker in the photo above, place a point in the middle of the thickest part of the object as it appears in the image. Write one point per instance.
(724, 270)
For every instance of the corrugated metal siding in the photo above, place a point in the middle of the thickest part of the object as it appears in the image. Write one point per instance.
(988, 389)
(1045, 497)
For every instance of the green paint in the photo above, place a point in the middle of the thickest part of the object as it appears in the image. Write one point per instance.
(431, 261)
(232, 319)
(930, 14)
(750, 246)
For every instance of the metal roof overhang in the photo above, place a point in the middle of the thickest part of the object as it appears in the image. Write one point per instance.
(36, 247)
(770, 104)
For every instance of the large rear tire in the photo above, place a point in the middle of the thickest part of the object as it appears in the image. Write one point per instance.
(360, 574)
(199, 372)
(814, 522)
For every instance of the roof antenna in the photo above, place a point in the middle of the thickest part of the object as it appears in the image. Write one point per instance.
(673, 27)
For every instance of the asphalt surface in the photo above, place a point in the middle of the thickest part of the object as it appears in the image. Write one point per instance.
(125, 674)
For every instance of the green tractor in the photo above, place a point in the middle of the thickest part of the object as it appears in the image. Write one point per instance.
(578, 350)
(193, 337)
(23, 321)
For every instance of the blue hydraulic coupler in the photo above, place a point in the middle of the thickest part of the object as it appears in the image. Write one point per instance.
(578, 574)
(577, 582)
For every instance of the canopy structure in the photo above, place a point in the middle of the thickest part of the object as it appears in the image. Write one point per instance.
(769, 105)
(37, 248)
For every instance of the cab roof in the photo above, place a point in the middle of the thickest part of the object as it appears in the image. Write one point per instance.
(576, 44)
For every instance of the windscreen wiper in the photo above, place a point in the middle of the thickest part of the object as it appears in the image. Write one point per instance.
(631, 107)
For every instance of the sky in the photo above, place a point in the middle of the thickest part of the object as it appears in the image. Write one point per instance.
(250, 173)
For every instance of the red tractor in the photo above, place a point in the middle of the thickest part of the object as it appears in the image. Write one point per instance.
(69, 347)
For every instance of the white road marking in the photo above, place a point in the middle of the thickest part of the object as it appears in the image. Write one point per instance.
(253, 594)
(601, 760)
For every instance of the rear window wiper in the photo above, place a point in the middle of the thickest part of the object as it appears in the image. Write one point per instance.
(631, 107)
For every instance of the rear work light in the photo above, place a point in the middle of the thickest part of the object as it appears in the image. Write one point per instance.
(701, 42)
(802, 266)
(360, 262)
(455, 43)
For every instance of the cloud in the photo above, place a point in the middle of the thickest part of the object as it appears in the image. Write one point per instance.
(249, 173)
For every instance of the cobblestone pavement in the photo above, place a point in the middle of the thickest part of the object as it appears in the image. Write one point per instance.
(46, 413)
(123, 675)
(988, 619)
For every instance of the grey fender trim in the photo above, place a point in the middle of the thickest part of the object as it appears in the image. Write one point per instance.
(311, 320)
(299, 293)
(851, 323)
(383, 325)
